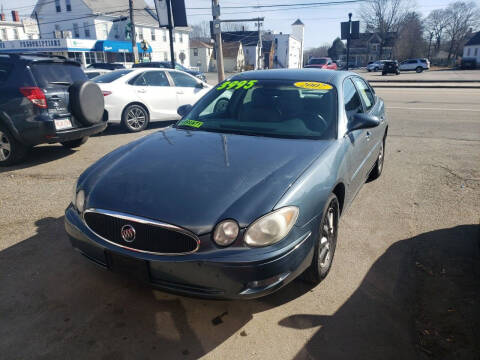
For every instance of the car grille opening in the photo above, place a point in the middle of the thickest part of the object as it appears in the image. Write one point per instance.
(150, 236)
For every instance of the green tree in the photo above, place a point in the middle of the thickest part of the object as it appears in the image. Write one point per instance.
(337, 49)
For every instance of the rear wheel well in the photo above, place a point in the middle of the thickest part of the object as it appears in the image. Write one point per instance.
(339, 192)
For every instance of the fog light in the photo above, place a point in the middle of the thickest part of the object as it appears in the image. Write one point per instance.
(256, 285)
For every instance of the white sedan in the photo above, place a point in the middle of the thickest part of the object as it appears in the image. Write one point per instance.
(134, 97)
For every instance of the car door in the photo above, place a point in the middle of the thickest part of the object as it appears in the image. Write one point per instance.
(154, 89)
(373, 136)
(188, 89)
(357, 139)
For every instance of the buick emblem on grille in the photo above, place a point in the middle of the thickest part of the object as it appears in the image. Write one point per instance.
(128, 233)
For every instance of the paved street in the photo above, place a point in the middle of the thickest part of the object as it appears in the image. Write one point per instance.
(420, 219)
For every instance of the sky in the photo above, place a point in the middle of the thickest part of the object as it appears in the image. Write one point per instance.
(322, 24)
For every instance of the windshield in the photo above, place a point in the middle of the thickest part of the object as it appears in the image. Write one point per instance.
(111, 76)
(46, 73)
(318, 62)
(267, 108)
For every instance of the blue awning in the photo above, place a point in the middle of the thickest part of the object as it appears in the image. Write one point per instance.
(119, 46)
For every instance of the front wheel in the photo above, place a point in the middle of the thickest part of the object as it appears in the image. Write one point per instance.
(419, 69)
(325, 243)
(72, 144)
(378, 167)
(135, 118)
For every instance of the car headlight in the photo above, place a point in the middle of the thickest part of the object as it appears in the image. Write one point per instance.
(78, 199)
(226, 232)
(272, 227)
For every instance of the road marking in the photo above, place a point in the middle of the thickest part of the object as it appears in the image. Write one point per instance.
(435, 109)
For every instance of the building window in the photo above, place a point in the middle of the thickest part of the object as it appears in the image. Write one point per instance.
(174, 37)
(476, 51)
(164, 35)
(180, 36)
(57, 6)
(153, 35)
(140, 33)
(86, 28)
(468, 52)
(68, 5)
(76, 32)
(3, 34)
(104, 31)
(15, 34)
(195, 52)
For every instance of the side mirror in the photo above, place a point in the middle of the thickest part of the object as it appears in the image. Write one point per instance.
(184, 110)
(200, 85)
(363, 121)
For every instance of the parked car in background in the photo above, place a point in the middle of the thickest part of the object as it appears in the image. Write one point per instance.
(92, 73)
(417, 65)
(241, 196)
(168, 65)
(106, 66)
(376, 66)
(134, 97)
(45, 100)
(390, 67)
(468, 63)
(322, 63)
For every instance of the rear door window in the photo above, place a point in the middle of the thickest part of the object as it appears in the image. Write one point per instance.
(155, 78)
(353, 104)
(46, 73)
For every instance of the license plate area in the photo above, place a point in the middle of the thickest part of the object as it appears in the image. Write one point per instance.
(63, 124)
(128, 266)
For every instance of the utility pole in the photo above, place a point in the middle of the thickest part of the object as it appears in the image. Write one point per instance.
(171, 27)
(133, 33)
(218, 40)
(348, 38)
(38, 24)
(260, 49)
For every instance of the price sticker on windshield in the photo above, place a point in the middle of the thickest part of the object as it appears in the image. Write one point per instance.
(237, 85)
(313, 85)
(192, 123)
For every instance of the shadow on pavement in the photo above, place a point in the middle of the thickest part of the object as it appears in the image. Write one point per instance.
(421, 299)
(54, 304)
(40, 155)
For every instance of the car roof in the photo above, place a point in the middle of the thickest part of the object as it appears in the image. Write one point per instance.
(328, 76)
(36, 57)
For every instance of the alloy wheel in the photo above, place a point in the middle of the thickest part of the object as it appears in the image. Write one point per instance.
(136, 118)
(327, 239)
(5, 147)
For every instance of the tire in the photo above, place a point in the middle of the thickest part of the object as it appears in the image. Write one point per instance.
(75, 143)
(87, 102)
(325, 243)
(419, 69)
(135, 118)
(11, 151)
(369, 70)
(398, 72)
(378, 167)
(376, 69)
(383, 73)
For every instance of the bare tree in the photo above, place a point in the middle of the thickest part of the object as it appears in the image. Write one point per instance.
(384, 17)
(321, 51)
(410, 42)
(462, 17)
(435, 25)
(200, 30)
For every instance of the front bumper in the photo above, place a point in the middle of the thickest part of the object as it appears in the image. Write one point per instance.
(252, 274)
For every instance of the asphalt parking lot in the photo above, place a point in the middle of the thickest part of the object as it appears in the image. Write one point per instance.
(404, 283)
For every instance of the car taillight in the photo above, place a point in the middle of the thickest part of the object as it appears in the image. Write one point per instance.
(35, 95)
(106, 93)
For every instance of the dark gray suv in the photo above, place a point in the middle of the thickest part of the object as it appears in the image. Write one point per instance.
(45, 100)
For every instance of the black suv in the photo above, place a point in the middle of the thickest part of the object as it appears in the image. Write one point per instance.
(45, 100)
(168, 65)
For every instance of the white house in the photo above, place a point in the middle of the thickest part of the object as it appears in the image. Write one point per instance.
(95, 31)
(16, 28)
(233, 56)
(201, 55)
(288, 48)
(472, 48)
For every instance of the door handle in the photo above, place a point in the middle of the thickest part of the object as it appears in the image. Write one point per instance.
(180, 92)
(141, 91)
(367, 136)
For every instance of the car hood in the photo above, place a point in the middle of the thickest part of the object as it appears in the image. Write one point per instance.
(194, 179)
